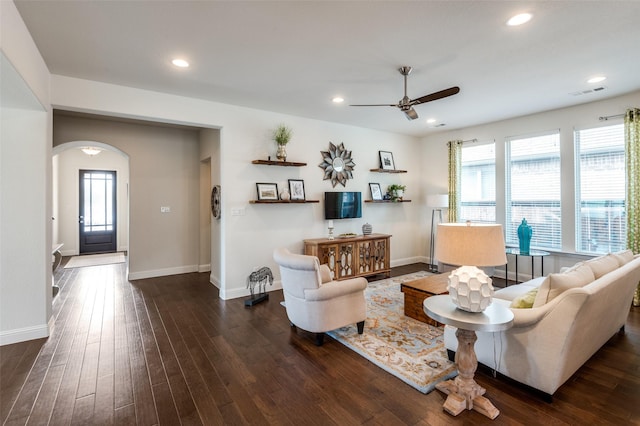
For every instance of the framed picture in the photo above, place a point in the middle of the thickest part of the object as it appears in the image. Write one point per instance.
(267, 191)
(376, 191)
(296, 189)
(386, 161)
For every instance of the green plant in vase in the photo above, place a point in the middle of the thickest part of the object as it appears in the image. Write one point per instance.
(396, 192)
(282, 135)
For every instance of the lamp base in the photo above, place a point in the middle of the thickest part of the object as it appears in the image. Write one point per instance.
(470, 289)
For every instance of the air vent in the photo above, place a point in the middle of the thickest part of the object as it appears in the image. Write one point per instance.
(586, 92)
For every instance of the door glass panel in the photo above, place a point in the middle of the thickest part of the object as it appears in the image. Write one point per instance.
(98, 202)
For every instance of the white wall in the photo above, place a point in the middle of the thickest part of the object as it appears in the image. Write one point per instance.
(163, 171)
(248, 240)
(210, 153)
(66, 167)
(434, 157)
(25, 190)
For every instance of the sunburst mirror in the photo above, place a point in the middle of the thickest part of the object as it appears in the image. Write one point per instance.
(337, 164)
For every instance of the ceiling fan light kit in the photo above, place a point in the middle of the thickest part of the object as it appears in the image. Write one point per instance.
(406, 104)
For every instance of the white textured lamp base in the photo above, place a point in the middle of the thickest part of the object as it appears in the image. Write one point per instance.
(470, 289)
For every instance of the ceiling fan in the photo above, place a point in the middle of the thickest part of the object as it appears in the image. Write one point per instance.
(406, 105)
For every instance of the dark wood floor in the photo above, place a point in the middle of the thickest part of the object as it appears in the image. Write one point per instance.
(169, 351)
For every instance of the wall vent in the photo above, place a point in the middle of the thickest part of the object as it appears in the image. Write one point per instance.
(586, 92)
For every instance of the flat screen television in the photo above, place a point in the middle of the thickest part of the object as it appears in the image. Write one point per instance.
(342, 205)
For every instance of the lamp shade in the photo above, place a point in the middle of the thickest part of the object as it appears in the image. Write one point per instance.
(471, 244)
(439, 201)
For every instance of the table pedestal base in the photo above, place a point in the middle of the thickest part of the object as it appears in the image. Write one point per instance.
(463, 392)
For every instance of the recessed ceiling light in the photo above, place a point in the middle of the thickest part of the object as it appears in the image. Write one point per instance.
(431, 120)
(337, 100)
(597, 79)
(180, 63)
(519, 19)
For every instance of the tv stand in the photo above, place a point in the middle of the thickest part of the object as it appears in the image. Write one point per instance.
(359, 256)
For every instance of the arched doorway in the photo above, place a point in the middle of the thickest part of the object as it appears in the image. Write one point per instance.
(70, 162)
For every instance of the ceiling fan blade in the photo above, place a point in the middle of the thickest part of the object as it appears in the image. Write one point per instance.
(410, 113)
(435, 96)
(393, 105)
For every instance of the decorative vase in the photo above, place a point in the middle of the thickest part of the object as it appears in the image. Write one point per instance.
(524, 236)
(367, 229)
(284, 195)
(281, 154)
(396, 194)
(470, 289)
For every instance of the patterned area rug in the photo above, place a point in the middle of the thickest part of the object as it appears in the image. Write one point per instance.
(409, 349)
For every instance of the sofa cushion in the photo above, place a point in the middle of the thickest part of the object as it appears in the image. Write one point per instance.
(325, 273)
(623, 257)
(511, 292)
(555, 284)
(602, 265)
(566, 269)
(526, 300)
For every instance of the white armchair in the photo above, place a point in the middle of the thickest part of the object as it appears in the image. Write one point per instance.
(313, 301)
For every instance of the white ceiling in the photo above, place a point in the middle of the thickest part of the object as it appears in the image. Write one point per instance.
(294, 56)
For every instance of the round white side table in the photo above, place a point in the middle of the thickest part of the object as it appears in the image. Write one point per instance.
(463, 391)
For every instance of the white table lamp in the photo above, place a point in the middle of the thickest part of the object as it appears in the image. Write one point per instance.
(470, 245)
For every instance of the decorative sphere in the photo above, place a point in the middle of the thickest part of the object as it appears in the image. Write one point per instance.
(470, 289)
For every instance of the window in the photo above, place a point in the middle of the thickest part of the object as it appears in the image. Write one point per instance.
(600, 190)
(533, 189)
(478, 183)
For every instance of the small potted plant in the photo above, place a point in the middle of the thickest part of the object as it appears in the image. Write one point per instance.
(396, 192)
(282, 136)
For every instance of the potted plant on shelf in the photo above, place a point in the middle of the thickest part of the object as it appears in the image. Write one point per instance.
(396, 192)
(282, 136)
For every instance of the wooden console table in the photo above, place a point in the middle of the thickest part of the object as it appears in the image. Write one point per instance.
(358, 256)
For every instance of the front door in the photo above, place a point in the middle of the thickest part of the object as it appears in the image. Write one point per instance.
(97, 211)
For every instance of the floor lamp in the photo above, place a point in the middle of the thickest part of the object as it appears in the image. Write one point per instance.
(437, 202)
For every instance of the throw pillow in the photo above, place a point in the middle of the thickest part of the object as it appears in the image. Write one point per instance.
(525, 301)
(623, 257)
(555, 284)
(602, 265)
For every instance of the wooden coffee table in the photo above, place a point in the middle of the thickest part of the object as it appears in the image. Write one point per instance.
(416, 291)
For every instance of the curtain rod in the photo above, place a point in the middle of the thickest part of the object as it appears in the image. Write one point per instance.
(471, 140)
(609, 117)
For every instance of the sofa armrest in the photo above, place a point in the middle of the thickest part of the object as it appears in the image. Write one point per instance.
(335, 289)
(531, 316)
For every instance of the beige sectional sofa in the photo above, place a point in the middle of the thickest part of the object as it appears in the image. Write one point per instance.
(572, 314)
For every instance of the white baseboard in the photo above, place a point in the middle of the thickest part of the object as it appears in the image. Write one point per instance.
(408, 261)
(23, 334)
(244, 292)
(214, 280)
(204, 268)
(162, 272)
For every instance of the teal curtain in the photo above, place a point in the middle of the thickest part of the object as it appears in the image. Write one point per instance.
(632, 151)
(455, 161)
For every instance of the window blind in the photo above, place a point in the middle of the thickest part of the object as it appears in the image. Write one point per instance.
(600, 189)
(533, 189)
(478, 183)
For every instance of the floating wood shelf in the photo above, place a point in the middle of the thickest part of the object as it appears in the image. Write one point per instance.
(282, 201)
(387, 201)
(278, 163)
(387, 171)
